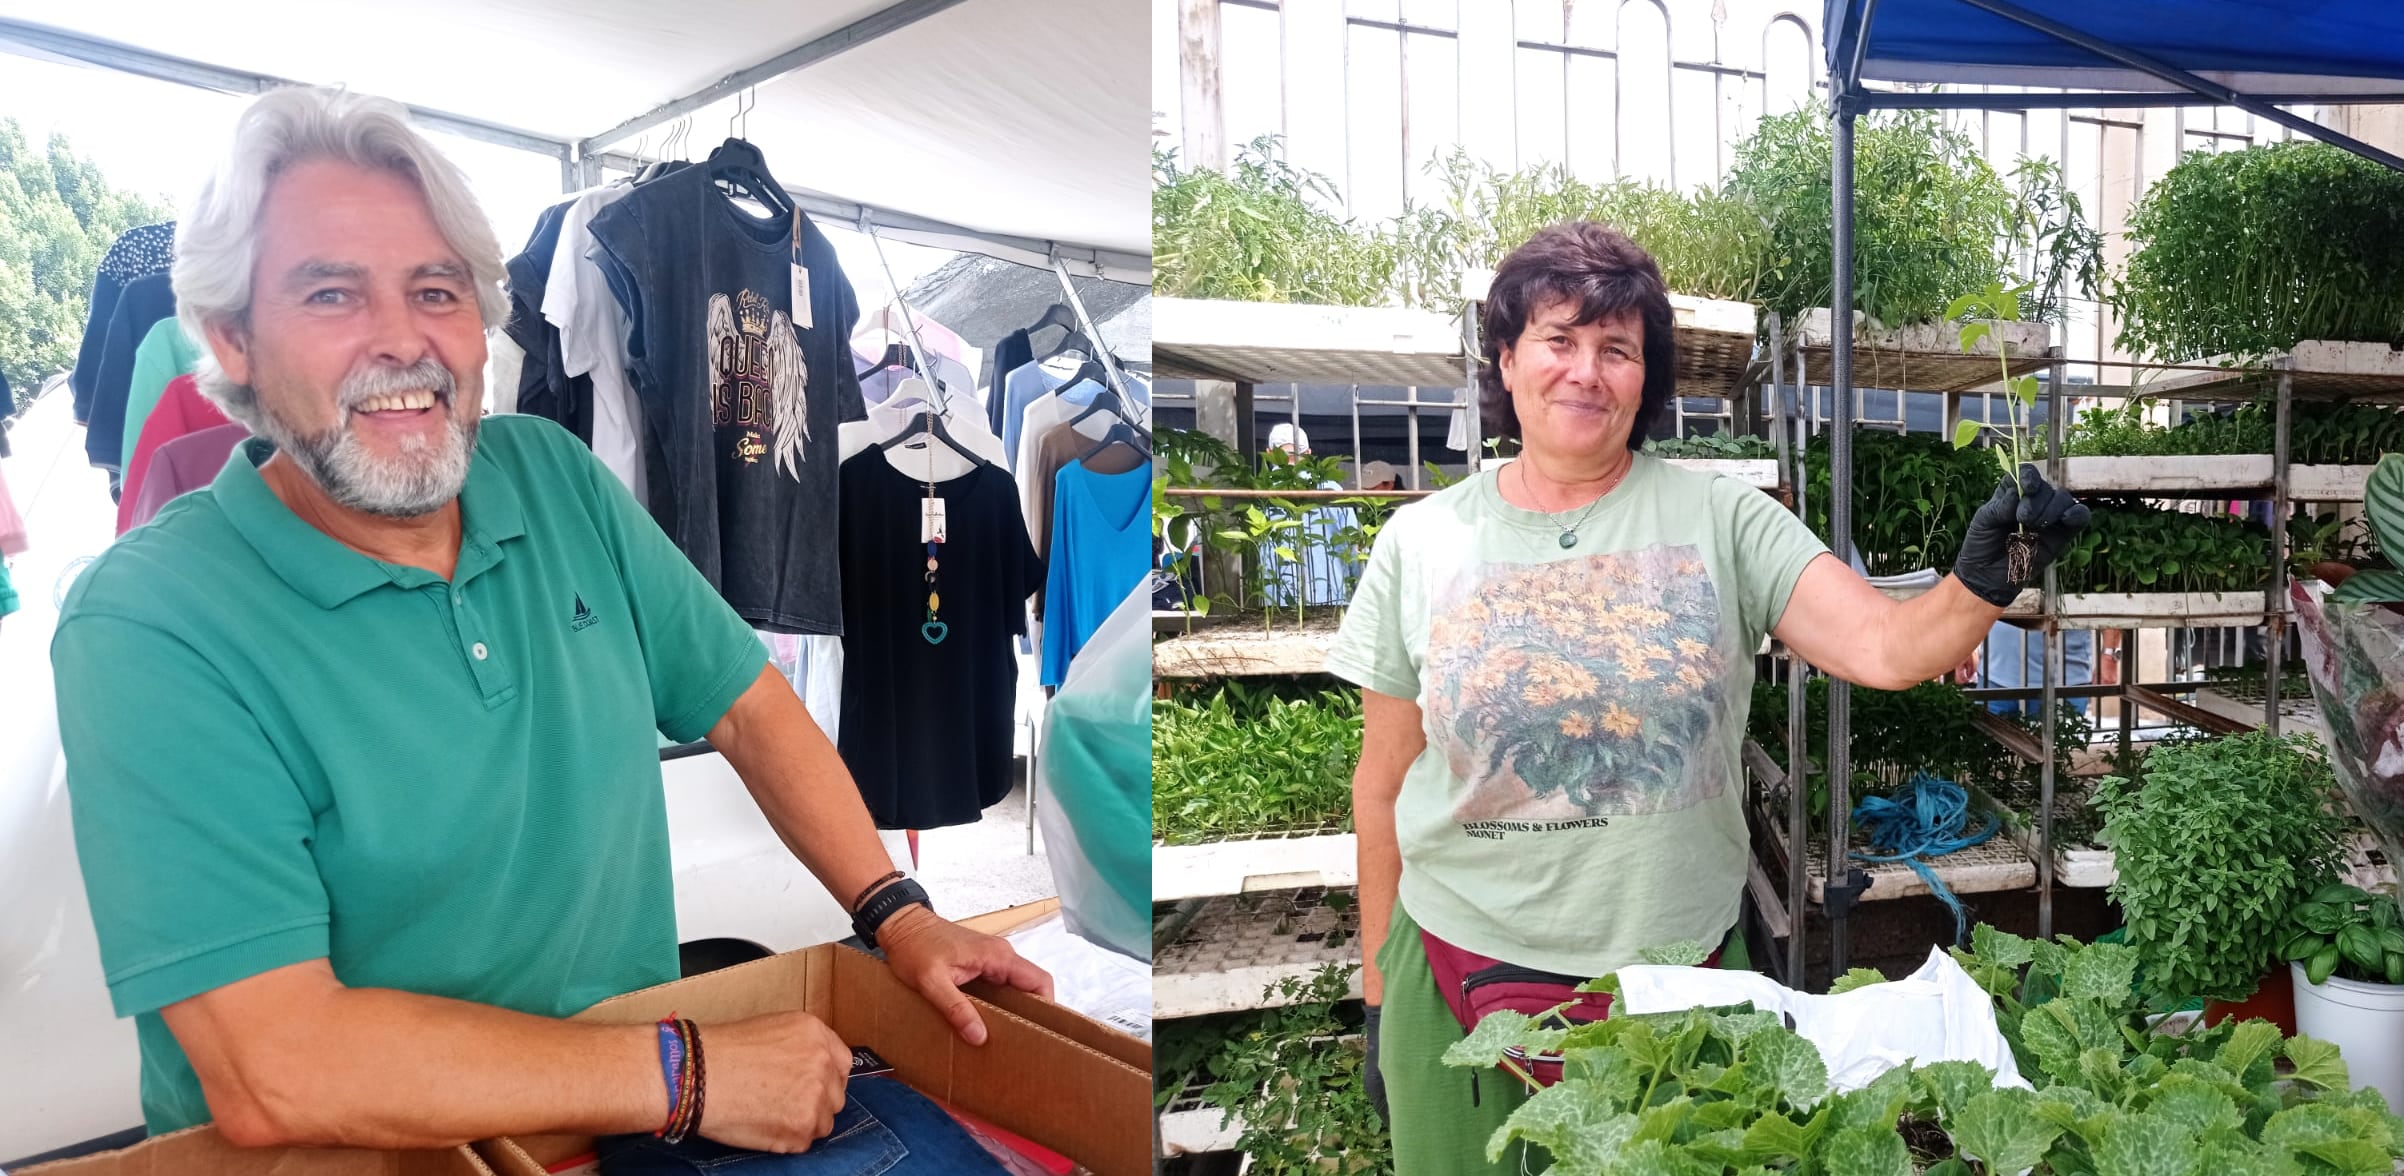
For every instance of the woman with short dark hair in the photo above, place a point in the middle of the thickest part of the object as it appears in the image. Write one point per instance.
(1557, 659)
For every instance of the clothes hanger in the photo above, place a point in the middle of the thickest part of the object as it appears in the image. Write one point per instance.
(740, 166)
(896, 355)
(1121, 433)
(1107, 401)
(929, 424)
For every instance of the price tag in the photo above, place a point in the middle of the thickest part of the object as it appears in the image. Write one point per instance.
(930, 520)
(801, 296)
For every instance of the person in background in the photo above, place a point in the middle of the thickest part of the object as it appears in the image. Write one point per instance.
(1325, 579)
(362, 738)
(2013, 657)
(1556, 659)
(1380, 475)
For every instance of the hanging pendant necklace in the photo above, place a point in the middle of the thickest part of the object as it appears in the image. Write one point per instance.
(1569, 534)
(930, 529)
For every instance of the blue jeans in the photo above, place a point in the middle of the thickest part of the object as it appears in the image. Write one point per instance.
(884, 1129)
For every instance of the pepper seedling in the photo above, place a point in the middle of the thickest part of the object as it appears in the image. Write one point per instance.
(1983, 309)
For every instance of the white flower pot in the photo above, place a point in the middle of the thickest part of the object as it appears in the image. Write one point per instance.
(2364, 1021)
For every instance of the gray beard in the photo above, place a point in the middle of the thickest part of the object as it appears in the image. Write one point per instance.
(421, 480)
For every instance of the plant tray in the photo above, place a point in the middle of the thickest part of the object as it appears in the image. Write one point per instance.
(1760, 473)
(1227, 958)
(1253, 864)
(2296, 712)
(2322, 370)
(2366, 863)
(1996, 865)
(2080, 866)
(1923, 358)
(2157, 610)
(1232, 652)
(2241, 475)
(1190, 1126)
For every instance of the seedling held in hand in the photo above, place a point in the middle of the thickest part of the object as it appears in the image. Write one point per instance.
(1983, 309)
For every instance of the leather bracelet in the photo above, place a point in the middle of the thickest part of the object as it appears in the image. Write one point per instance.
(855, 903)
(701, 1085)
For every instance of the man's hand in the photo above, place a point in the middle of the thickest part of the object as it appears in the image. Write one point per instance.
(772, 1083)
(937, 956)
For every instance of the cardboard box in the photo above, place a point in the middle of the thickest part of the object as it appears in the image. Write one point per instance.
(1045, 1072)
(200, 1151)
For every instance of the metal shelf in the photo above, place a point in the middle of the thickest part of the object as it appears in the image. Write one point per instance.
(1289, 343)
(1227, 956)
(1981, 869)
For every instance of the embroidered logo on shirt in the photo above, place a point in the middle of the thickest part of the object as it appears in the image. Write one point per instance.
(584, 618)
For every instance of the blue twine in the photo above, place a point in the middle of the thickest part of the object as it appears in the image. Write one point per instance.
(1924, 819)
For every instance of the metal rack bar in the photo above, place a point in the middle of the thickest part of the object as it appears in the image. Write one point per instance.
(1840, 504)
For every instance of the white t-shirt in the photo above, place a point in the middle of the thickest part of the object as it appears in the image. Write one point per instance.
(592, 337)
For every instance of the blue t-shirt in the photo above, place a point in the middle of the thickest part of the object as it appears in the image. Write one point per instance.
(1101, 549)
(2015, 657)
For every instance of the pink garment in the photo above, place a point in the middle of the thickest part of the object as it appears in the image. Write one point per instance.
(181, 412)
(180, 466)
(12, 524)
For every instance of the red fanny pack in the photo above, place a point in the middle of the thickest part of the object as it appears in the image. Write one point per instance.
(1474, 986)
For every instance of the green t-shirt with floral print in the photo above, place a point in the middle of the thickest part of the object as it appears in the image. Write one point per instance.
(1580, 798)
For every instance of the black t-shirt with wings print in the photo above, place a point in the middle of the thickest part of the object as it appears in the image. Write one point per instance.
(740, 394)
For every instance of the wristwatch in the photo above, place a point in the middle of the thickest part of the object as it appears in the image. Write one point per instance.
(885, 904)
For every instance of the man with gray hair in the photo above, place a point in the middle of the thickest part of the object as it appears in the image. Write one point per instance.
(361, 737)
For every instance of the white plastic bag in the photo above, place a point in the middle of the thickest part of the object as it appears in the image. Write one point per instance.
(1109, 987)
(1936, 1014)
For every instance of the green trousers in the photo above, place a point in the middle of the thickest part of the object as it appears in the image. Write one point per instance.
(1439, 1124)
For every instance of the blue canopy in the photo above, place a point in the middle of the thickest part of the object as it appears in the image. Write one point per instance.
(2292, 50)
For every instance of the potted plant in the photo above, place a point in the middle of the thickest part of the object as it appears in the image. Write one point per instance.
(2214, 843)
(2345, 950)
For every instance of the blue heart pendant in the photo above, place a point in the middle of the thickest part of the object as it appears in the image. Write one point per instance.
(935, 632)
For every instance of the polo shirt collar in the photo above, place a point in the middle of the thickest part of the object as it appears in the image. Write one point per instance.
(324, 570)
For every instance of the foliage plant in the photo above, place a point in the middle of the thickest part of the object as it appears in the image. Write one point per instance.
(1913, 496)
(1269, 538)
(1295, 1075)
(1984, 309)
(1929, 213)
(2348, 932)
(58, 217)
(1713, 446)
(1260, 232)
(1703, 1092)
(2246, 253)
(2317, 433)
(2131, 546)
(1709, 243)
(1239, 759)
(2214, 844)
(2383, 515)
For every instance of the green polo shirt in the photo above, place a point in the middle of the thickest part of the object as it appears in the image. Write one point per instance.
(280, 750)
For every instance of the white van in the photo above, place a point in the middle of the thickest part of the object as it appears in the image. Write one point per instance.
(69, 1071)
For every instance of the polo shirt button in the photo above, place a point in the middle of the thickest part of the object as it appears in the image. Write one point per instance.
(480, 651)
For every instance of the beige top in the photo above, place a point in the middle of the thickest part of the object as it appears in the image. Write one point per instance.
(1059, 447)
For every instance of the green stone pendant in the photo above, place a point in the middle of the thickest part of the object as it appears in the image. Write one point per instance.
(1568, 540)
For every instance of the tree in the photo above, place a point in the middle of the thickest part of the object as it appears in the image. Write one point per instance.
(58, 216)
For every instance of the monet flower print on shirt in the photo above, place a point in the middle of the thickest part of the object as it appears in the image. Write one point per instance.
(1567, 692)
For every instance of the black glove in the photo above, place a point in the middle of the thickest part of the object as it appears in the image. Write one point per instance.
(1371, 1079)
(2042, 511)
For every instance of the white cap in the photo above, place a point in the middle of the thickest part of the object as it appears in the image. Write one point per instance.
(1288, 434)
(1378, 473)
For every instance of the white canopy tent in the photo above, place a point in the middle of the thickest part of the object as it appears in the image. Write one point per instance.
(987, 126)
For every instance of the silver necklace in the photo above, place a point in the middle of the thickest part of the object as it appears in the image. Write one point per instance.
(1569, 534)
